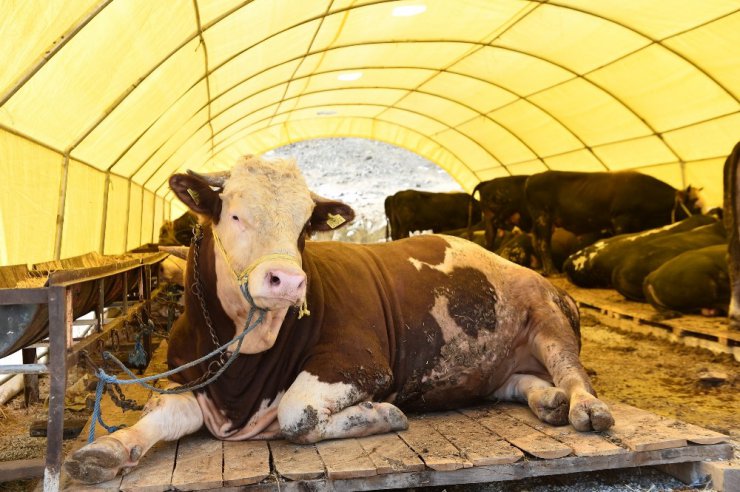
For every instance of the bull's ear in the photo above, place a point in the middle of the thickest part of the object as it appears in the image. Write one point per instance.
(329, 214)
(197, 195)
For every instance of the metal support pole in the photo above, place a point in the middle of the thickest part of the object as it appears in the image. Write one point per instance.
(100, 310)
(125, 293)
(30, 381)
(59, 324)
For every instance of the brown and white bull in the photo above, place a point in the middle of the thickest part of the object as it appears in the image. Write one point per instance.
(425, 323)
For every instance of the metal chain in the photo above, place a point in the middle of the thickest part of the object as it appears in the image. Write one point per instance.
(197, 289)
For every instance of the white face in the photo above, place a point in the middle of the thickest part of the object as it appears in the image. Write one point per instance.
(265, 206)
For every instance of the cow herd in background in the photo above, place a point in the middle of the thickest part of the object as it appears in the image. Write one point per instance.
(622, 230)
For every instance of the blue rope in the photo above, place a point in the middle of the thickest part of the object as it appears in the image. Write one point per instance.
(104, 378)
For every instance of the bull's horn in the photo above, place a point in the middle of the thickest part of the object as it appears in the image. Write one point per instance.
(217, 179)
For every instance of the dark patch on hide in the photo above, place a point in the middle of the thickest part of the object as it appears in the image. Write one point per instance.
(471, 301)
(570, 313)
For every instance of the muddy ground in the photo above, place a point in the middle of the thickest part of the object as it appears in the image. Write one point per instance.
(647, 372)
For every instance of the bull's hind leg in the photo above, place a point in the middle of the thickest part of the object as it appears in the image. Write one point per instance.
(555, 344)
(549, 404)
(312, 411)
(164, 418)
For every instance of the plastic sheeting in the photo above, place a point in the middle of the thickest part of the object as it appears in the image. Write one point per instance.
(101, 101)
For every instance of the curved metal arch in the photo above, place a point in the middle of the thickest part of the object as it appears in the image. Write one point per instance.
(226, 15)
(410, 130)
(446, 41)
(55, 48)
(475, 142)
(524, 53)
(509, 131)
(619, 100)
(199, 34)
(656, 41)
(479, 114)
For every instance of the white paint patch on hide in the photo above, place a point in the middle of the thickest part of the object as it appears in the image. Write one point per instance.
(584, 258)
(650, 232)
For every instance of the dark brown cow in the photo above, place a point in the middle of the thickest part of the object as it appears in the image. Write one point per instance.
(414, 210)
(602, 202)
(425, 323)
(503, 206)
(178, 231)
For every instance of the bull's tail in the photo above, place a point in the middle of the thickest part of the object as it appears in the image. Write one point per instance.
(470, 209)
(731, 218)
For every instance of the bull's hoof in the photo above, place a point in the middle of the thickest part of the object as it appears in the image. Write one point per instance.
(589, 413)
(394, 416)
(98, 461)
(550, 405)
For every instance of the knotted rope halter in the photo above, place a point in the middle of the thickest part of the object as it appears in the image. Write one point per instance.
(242, 278)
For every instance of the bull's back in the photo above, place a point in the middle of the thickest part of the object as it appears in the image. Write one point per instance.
(582, 201)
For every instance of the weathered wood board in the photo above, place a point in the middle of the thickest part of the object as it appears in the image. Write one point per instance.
(486, 443)
(611, 309)
(480, 444)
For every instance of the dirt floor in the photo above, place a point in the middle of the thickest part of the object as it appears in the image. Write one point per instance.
(643, 371)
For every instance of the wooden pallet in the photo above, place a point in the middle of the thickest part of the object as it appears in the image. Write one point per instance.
(488, 443)
(612, 309)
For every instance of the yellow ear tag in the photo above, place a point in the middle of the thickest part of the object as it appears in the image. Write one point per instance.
(194, 195)
(335, 221)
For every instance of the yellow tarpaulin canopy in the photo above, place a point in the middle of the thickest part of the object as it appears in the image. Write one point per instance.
(100, 101)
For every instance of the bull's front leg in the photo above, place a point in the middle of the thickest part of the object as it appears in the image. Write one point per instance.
(164, 418)
(312, 411)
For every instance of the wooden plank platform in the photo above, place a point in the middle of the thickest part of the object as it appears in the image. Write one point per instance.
(494, 442)
(612, 309)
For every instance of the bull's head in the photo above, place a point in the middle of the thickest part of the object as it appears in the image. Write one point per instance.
(260, 213)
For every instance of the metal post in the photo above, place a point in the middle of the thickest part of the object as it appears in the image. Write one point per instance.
(30, 381)
(146, 271)
(125, 293)
(58, 328)
(100, 310)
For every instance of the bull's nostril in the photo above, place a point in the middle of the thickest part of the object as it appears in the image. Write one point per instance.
(274, 280)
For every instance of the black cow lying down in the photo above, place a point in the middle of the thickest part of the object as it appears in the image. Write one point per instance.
(628, 277)
(615, 202)
(593, 265)
(426, 323)
(696, 281)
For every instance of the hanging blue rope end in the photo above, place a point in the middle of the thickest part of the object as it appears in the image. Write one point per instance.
(97, 416)
(137, 357)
